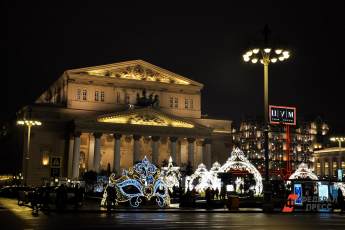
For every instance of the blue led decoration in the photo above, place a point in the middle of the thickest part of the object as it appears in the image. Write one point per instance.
(141, 181)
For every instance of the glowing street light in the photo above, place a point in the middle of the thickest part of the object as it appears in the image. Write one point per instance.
(29, 124)
(266, 54)
(338, 139)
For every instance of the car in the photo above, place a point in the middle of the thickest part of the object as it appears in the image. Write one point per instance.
(12, 191)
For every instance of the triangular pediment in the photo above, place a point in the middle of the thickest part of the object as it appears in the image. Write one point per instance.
(147, 117)
(135, 70)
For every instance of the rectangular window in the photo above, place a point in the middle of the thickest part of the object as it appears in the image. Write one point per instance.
(96, 96)
(78, 97)
(191, 103)
(176, 102)
(102, 95)
(326, 169)
(186, 104)
(171, 102)
(318, 168)
(118, 98)
(84, 94)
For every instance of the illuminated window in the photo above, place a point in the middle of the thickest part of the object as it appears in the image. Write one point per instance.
(186, 104)
(326, 168)
(118, 98)
(102, 95)
(84, 94)
(318, 168)
(78, 97)
(171, 100)
(335, 166)
(176, 102)
(96, 96)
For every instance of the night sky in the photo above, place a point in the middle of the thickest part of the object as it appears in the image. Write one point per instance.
(199, 41)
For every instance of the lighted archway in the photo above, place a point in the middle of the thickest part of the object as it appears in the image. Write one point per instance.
(303, 172)
(238, 161)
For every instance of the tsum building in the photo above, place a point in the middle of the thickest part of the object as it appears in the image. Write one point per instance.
(111, 116)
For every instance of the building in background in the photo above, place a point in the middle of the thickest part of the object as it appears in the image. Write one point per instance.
(329, 163)
(111, 116)
(304, 139)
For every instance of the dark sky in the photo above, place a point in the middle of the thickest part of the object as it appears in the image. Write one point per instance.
(199, 41)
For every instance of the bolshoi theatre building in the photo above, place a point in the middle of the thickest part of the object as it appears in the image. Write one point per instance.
(111, 116)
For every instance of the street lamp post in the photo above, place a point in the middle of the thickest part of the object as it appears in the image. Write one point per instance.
(266, 54)
(29, 124)
(338, 139)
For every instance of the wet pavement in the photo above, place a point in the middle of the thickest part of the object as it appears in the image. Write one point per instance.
(15, 217)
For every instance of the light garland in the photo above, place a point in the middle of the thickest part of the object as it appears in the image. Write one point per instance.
(303, 172)
(144, 181)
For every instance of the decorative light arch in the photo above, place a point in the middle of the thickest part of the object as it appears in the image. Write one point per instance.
(200, 179)
(216, 181)
(303, 172)
(238, 161)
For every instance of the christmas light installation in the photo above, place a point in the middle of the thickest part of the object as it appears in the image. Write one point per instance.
(303, 172)
(143, 180)
(216, 182)
(171, 175)
(200, 180)
(238, 161)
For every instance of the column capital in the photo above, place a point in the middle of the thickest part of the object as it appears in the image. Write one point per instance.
(173, 139)
(136, 137)
(97, 135)
(155, 138)
(190, 139)
(117, 136)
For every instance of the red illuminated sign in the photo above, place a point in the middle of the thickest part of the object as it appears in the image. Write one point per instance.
(282, 115)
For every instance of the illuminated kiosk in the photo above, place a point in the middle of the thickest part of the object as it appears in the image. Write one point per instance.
(171, 175)
(143, 180)
(238, 161)
(303, 172)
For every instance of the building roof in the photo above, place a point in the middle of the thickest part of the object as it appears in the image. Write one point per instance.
(135, 70)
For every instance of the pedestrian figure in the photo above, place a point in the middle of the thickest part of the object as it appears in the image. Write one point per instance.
(61, 197)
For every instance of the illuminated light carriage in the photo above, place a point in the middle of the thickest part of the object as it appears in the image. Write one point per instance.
(203, 179)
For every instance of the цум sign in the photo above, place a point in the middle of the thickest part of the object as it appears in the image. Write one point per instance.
(282, 115)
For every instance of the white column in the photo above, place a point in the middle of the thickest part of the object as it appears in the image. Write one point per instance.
(191, 151)
(155, 154)
(173, 150)
(76, 155)
(91, 153)
(207, 153)
(117, 153)
(136, 149)
(70, 157)
(97, 152)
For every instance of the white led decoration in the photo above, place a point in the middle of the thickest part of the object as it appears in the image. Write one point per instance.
(171, 175)
(200, 179)
(143, 180)
(303, 172)
(238, 161)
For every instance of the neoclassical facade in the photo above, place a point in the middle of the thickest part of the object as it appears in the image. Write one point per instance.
(327, 161)
(111, 116)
